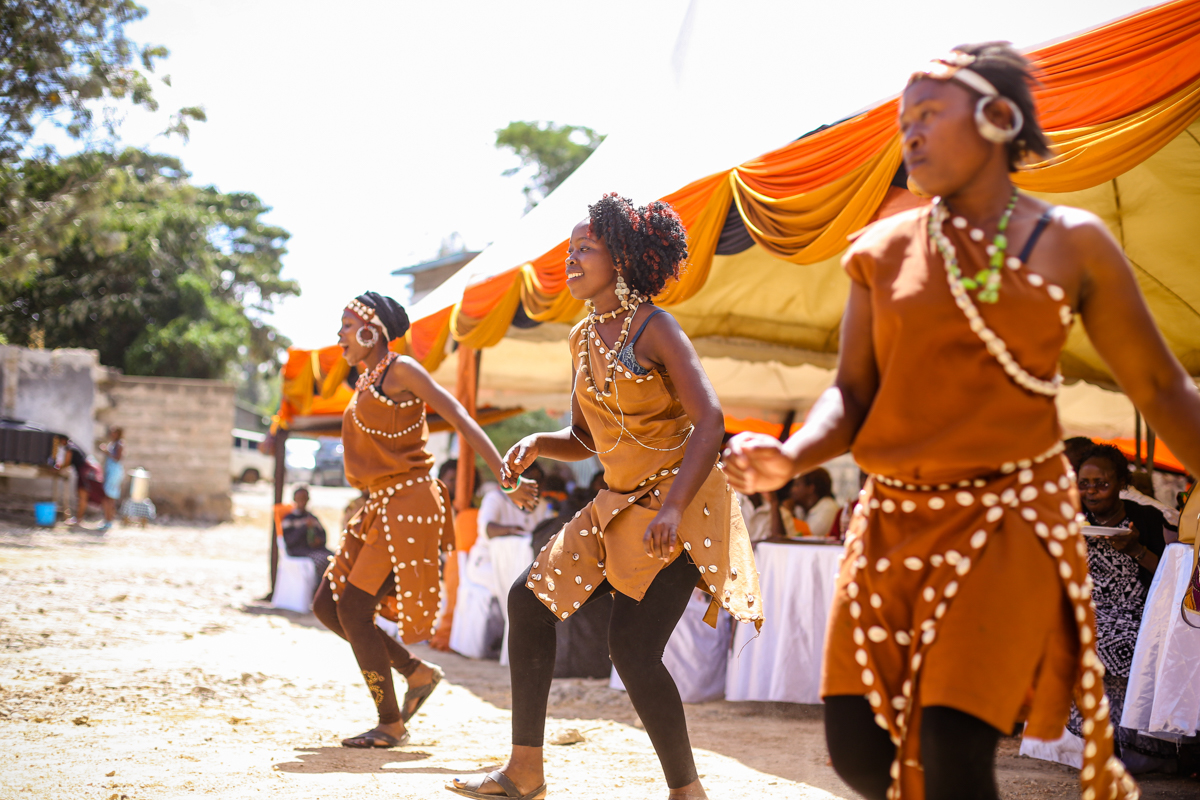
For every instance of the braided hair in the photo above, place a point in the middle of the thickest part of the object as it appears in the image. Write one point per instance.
(1012, 75)
(648, 243)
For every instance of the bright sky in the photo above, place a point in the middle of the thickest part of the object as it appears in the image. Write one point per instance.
(369, 126)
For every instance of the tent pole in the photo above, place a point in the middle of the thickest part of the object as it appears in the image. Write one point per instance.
(1137, 438)
(466, 388)
(1150, 440)
(280, 478)
(788, 419)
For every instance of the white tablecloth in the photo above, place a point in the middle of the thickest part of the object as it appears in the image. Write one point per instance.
(1163, 696)
(784, 663)
(511, 555)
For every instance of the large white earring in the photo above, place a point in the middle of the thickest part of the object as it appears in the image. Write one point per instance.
(358, 336)
(992, 132)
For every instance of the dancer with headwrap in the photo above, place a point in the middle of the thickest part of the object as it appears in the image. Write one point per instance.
(389, 559)
(665, 524)
(962, 606)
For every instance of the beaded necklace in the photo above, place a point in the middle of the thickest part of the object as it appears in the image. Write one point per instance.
(991, 280)
(370, 378)
(586, 367)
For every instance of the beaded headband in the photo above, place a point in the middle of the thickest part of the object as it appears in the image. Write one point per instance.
(367, 314)
(955, 67)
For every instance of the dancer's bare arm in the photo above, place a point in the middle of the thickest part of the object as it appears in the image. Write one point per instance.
(1120, 326)
(406, 375)
(665, 344)
(573, 443)
(756, 462)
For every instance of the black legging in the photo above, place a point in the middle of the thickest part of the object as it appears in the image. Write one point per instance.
(352, 617)
(958, 751)
(637, 636)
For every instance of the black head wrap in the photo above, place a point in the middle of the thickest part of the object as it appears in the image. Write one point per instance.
(391, 315)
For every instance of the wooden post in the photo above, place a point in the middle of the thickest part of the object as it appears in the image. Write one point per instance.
(280, 478)
(1150, 440)
(1137, 439)
(466, 387)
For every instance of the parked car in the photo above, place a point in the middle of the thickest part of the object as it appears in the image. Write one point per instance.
(329, 469)
(249, 465)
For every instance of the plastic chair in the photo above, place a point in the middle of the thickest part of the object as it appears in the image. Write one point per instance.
(295, 578)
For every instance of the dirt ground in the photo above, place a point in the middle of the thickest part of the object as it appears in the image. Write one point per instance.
(138, 665)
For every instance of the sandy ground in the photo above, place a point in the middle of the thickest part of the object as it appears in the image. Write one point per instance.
(138, 665)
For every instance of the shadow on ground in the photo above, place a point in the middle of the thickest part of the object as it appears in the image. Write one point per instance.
(317, 760)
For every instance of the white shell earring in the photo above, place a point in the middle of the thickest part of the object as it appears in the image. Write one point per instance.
(365, 342)
(992, 132)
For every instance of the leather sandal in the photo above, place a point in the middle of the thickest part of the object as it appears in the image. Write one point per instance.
(420, 694)
(376, 739)
(471, 788)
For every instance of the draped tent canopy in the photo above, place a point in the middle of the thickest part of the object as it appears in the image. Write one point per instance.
(763, 293)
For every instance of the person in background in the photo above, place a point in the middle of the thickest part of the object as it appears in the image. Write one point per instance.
(499, 516)
(1122, 568)
(448, 474)
(597, 484)
(303, 533)
(766, 518)
(847, 511)
(89, 480)
(812, 493)
(114, 474)
(1075, 449)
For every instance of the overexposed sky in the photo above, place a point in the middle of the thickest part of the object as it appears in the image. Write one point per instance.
(369, 126)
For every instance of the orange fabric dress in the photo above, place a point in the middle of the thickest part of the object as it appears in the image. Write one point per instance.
(641, 435)
(407, 518)
(965, 578)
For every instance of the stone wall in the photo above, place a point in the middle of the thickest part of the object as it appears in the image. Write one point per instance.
(52, 388)
(180, 431)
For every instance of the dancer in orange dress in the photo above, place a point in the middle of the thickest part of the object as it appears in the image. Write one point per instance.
(389, 562)
(962, 606)
(667, 522)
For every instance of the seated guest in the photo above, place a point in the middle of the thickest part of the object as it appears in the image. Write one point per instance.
(303, 533)
(1075, 449)
(765, 517)
(812, 492)
(1122, 568)
(89, 481)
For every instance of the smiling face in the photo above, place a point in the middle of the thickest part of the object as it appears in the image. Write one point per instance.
(352, 351)
(590, 270)
(942, 148)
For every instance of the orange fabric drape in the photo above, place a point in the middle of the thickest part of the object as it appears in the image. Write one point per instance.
(1110, 98)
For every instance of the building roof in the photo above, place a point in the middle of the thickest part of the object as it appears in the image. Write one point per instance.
(453, 260)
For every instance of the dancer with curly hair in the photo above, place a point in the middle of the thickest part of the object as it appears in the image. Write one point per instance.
(389, 559)
(962, 606)
(665, 525)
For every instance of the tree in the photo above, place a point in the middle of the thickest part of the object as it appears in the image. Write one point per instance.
(68, 64)
(156, 273)
(554, 150)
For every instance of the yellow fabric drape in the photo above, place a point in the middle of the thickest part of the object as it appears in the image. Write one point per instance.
(813, 226)
(486, 332)
(1096, 154)
(703, 235)
(437, 352)
(544, 306)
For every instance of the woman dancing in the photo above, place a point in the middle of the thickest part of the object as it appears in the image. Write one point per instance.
(667, 522)
(389, 558)
(962, 604)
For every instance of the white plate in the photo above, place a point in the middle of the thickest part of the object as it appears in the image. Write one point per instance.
(1104, 533)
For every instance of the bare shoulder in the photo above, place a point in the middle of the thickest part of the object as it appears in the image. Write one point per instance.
(1087, 235)
(657, 324)
(404, 373)
(879, 235)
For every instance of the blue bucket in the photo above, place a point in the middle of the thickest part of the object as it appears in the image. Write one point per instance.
(46, 514)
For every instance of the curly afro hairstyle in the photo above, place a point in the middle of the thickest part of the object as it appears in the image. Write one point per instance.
(648, 243)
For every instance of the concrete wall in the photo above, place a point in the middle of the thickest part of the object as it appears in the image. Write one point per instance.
(179, 430)
(52, 388)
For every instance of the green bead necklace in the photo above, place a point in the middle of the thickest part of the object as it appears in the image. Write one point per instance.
(986, 281)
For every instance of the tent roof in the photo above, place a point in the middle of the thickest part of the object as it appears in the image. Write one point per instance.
(1121, 102)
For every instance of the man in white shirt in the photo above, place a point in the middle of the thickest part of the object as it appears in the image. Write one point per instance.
(764, 516)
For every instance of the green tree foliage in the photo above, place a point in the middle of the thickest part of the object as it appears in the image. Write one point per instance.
(58, 57)
(555, 151)
(156, 273)
(66, 64)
